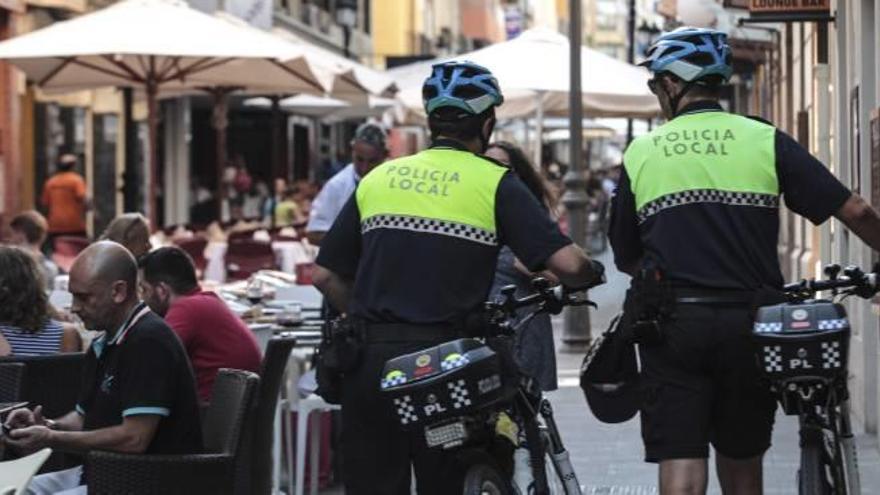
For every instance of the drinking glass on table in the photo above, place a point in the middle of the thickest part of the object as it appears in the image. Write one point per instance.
(290, 315)
(254, 291)
(254, 294)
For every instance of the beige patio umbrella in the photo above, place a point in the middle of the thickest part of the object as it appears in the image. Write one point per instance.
(158, 45)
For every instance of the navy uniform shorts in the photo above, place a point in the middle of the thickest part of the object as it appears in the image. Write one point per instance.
(702, 386)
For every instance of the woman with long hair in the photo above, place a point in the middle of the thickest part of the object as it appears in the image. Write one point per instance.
(535, 349)
(26, 327)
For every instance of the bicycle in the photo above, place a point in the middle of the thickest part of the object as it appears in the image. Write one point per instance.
(477, 399)
(803, 350)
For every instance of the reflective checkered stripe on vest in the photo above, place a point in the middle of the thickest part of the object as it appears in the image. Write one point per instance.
(707, 157)
(438, 191)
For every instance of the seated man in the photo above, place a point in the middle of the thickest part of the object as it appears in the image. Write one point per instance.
(132, 230)
(138, 393)
(214, 337)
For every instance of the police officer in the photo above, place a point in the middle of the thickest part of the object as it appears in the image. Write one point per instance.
(699, 200)
(413, 253)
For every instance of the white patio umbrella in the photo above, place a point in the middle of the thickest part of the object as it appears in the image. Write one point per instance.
(157, 45)
(533, 71)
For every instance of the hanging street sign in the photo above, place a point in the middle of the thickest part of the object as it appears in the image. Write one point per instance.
(789, 6)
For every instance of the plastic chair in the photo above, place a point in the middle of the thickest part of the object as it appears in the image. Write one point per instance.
(66, 248)
(211, 472)
(308, 403)
(16, 474)
(10, 381)
(246, 257)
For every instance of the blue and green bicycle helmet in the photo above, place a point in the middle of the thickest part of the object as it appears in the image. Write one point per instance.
(692, 54)
(465, 86)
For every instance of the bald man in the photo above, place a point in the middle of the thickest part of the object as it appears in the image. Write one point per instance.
(138, 393)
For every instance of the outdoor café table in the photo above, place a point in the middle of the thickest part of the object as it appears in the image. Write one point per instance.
(287, 253)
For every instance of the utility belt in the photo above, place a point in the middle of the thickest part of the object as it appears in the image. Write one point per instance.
(382, 333)
(652, 301)
(344, 340)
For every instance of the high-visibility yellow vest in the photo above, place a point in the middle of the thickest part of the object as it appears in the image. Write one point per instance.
(440, 191)
(704, 157)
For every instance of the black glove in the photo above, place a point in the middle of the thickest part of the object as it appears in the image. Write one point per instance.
(599, 270)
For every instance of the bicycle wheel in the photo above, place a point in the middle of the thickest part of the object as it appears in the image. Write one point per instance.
(483, 479)
(812, 478)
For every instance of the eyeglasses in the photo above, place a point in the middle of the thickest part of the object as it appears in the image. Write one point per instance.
(652, 85)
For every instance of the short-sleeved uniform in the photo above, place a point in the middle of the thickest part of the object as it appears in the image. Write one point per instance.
(699, 199)
(142, 369)
(420, 239)
(332, 198)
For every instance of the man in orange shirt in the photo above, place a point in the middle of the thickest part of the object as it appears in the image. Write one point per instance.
(64, 194)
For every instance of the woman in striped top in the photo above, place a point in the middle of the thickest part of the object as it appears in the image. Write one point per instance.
(25, 326)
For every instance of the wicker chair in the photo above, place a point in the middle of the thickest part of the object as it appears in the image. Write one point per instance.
(211, 472)
(255, 473)
(10, 381)
(51, 381)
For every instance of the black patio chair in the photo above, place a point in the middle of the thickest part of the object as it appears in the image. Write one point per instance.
(51, 381)
(10, 381)
(210, 472)
(254, 474)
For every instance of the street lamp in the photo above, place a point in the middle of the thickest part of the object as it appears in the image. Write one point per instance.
(576, 330)
(346, 16)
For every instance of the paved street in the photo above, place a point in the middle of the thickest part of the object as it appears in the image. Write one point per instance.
(608, 458)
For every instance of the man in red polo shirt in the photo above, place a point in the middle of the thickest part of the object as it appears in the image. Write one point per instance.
(214, 337)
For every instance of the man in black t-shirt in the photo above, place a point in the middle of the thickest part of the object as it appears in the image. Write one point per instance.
(413, 253)
(138, 393)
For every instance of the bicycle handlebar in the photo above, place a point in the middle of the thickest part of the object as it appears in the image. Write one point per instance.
(550, 299)
(861, 283)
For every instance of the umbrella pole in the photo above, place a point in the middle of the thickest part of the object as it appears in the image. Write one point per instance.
(539, 128)
(276, 138)
(153, 131)
(220, 122)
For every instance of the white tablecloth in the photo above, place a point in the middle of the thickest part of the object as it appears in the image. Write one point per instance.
(287, 253)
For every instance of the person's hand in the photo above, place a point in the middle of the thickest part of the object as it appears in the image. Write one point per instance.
(29, 440)
(24, 417)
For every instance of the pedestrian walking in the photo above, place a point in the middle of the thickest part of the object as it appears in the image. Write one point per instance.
(535, 350)
(65, 197)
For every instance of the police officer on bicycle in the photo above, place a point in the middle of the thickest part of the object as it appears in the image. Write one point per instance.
(412, 255)
(697, 209)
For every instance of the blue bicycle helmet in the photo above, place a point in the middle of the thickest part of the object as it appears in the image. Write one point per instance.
(462, 85)
(692, 54)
